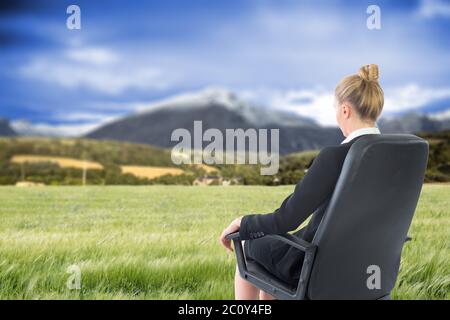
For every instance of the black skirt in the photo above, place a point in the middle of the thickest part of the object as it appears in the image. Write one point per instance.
(277, 257)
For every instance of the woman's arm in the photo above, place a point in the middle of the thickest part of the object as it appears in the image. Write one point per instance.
(316, 186)
(233, 227)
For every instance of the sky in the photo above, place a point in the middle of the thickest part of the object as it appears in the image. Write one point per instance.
(286, 55)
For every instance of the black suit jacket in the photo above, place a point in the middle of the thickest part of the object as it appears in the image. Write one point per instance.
(311, 195)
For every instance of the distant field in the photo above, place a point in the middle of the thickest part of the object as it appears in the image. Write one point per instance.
(161, 242)
(100, 151)
(63, 162)
(150, 172)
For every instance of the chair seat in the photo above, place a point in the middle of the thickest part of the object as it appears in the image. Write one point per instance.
(257, 270)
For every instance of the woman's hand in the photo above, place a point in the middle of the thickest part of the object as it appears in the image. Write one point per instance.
(233, 227)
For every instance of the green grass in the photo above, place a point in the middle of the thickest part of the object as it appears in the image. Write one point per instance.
(162, 242)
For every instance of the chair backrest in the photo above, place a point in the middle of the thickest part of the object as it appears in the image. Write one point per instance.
(361, 235)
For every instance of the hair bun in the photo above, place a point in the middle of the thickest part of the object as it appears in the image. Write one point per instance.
(369, 72)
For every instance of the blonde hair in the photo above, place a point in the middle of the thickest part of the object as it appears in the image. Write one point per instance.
(363, 92)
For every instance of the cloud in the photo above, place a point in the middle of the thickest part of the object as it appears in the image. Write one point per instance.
(434, 8)
(82, 116)
(43, 129)
(312, 103)
(280, 47)
(317, 103)
(99, 70)
(70, 124)
(443, 115)
(413, 96)
(96, 56)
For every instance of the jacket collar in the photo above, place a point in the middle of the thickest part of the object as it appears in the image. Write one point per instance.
(360, 132)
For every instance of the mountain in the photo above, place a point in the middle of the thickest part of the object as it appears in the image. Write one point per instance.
(412, 122)
(5, 128)
(218, 109)
(221, 109)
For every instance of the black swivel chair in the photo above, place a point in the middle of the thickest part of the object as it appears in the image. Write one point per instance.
(364, 227)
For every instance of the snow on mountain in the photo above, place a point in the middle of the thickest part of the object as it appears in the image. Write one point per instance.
(256, 115)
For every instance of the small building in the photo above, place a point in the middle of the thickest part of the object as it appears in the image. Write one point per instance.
(208, 181)
(29, 184)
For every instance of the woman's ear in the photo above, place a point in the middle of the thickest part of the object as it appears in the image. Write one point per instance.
(346, 110)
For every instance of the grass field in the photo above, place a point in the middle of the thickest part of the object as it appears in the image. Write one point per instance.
(162, 242)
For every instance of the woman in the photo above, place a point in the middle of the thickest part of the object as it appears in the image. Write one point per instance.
(358, 103)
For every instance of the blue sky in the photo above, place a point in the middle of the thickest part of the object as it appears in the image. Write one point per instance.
(279, 54)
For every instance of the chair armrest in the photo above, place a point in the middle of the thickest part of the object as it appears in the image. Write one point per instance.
(294, 241)
(240, 256)
(288, 238)
(232, 236)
